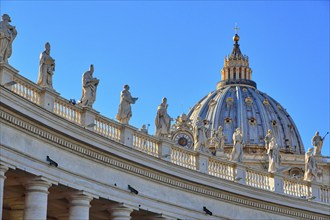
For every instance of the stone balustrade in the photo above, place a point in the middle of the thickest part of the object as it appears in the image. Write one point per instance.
(183, 157)
(325, 194)
(107, 128)
(258, 179)
(296, 188)
(145, 143)
(159, 148)
(26, 88)
(65, 109)
(221, 169)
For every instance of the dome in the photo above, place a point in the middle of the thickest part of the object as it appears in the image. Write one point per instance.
(237, 102)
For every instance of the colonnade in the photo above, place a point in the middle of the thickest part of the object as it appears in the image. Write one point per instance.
(35, 203)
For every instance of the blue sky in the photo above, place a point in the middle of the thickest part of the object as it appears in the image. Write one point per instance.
(175, 49)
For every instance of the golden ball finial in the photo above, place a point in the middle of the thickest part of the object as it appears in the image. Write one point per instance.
(236, 38)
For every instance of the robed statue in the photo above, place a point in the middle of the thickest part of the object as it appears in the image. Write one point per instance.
(237, 151)
(124, 110)
(46, 68)
(162, 120)
(89, 87)
(8, 34)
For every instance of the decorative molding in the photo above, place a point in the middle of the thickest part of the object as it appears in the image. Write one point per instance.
(215, 193)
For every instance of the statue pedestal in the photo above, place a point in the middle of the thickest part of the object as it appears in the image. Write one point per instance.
(7, 73)
(164, 149)
(221, 154)
(88, 118)
(47, 98)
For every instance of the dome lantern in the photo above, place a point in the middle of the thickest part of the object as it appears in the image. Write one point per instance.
(236, 69)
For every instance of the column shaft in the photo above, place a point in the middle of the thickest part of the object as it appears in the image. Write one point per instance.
(36, 198)
(79, 206)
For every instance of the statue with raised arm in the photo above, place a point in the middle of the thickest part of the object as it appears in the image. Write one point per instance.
(124, 111)
(273, 155)
(310, 166)
(8, 34)
(237, 152)
(46, 68)
(317, 142)
(89, 87)
(162, 120)
(200, 134)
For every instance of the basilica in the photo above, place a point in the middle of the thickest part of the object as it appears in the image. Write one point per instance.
(237, 154)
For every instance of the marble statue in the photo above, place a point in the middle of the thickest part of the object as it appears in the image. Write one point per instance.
(310, 166)
(219, 140)
(268, 138)
(200, 134)
(46, 68)
(124, 111)
(237, 152)
(89, 87)
(162, 120)
(8, 34)
(273, 155)
(317, 142)
(144, 129)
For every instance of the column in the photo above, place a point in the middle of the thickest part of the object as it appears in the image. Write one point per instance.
(120, 212)
(36, 198)
(3, 170)
(79, 206)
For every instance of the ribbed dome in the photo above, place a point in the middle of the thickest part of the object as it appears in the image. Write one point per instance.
(237, 103)
(254, 112)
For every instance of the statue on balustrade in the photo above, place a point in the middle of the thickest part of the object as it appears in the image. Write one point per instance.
(311, 170)
(144, 129)
(8, 34)
(46, 68)
(89, 87)
(163, 120)
(237, 152)
(273, 155)
(124, 111)
(200, 135)
(219, 140)
(317, 142)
